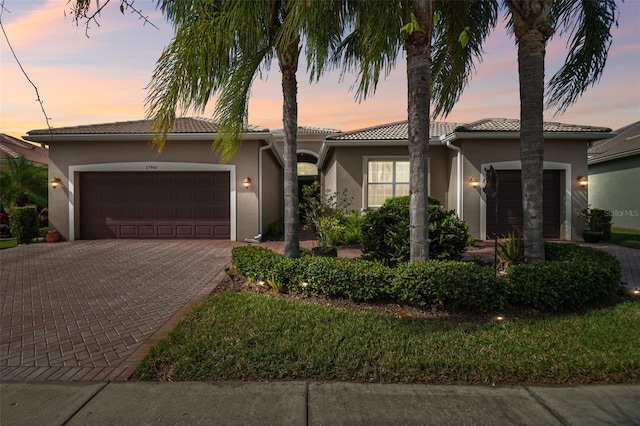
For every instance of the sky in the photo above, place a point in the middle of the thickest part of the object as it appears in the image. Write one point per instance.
(99, 74)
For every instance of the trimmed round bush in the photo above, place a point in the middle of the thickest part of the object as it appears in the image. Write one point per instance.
(449, 284)
(570, 277)
(385, 232)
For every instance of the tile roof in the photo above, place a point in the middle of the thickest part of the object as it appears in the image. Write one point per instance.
(11, 147)
(513, 125)
(309, 130)
(625, 143)
(181, 125)
(398, 131)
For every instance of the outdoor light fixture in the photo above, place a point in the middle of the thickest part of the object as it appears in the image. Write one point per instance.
(246, 182)
(55, 181)
(475, 182)
(583, 181)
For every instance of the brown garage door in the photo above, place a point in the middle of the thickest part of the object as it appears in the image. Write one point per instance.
(154, 205)
(508, 202)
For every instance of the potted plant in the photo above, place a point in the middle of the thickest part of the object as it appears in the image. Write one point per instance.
(52, 236)
(597, 222)
(324, 214)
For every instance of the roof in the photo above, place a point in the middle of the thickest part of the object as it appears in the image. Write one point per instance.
(624, 144)
(513, 125)
(11, 147)
(183, 125)
(308, 130)
(398, 131)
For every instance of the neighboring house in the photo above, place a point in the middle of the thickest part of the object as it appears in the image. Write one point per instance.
(373, 164)
(614, 168)
(11, 147)
(115, 183)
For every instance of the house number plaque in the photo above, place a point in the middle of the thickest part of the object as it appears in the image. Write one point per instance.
(151, 167)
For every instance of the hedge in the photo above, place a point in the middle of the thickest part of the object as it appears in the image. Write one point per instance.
(571, 277)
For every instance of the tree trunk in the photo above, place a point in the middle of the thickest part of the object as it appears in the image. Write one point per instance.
(418, 47)
(532, 31)
(288, 63)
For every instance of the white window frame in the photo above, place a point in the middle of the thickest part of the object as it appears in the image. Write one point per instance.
(365, 177)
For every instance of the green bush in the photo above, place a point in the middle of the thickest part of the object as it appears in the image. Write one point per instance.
(24, 223)
(449, 284)
(385, 232)
(355, 279)
(571, 277)
(275, 230)
(353, 228)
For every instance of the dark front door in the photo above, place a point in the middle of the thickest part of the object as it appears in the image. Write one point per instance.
(504, 212)
(155, 205)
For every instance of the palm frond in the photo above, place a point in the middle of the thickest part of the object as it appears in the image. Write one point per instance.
(589, 26)
(453, 63)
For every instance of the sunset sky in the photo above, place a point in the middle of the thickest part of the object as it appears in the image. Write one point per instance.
(102, 78)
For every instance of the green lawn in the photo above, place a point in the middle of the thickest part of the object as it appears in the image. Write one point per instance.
(626, 237)
(8, 243)
(242, 336)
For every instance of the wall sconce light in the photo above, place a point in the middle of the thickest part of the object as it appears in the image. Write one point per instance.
(246, 182)
(583, 181)
(475, 182)
(55, 182)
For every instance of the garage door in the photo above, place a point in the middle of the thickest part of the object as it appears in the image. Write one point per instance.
(504, 212)
(155, 205)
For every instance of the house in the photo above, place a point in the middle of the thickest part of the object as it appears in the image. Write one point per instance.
(373, 164)
(11, 147)
(614, 164)
(115, 184)
(309, 143)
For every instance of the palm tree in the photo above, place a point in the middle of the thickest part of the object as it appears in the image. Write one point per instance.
(381, 31)
(533, 21)
(218, 49)
(23, 183)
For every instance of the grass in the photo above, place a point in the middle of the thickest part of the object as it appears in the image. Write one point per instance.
(8, 243)
(242, 336)
(626, 237)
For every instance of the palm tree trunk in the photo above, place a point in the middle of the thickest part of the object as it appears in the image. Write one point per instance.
(532, 32)
(288, 63)
(418, 48)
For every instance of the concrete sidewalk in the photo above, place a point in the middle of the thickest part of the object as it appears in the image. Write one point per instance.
(309, 403)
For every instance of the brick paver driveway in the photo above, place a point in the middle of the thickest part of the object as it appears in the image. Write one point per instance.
(90, 310)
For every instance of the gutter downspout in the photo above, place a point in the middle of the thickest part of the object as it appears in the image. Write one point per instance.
(447, 142)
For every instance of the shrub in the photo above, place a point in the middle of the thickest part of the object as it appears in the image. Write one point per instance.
(324, 214)
(355, 279)
(449, 284)
(385, 232)
(24, 223)
(275, 230)
(353, 228)
(571, 277)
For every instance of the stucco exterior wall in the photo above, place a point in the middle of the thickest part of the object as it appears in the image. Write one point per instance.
(177, 155)
(272, 190)
(344, 169)
(612, 186)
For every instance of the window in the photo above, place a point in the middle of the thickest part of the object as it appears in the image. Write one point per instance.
(385, 179)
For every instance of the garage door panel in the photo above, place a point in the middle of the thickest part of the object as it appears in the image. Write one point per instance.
(166, 231)
(154, 205)
(204, 230)
(126, 231)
